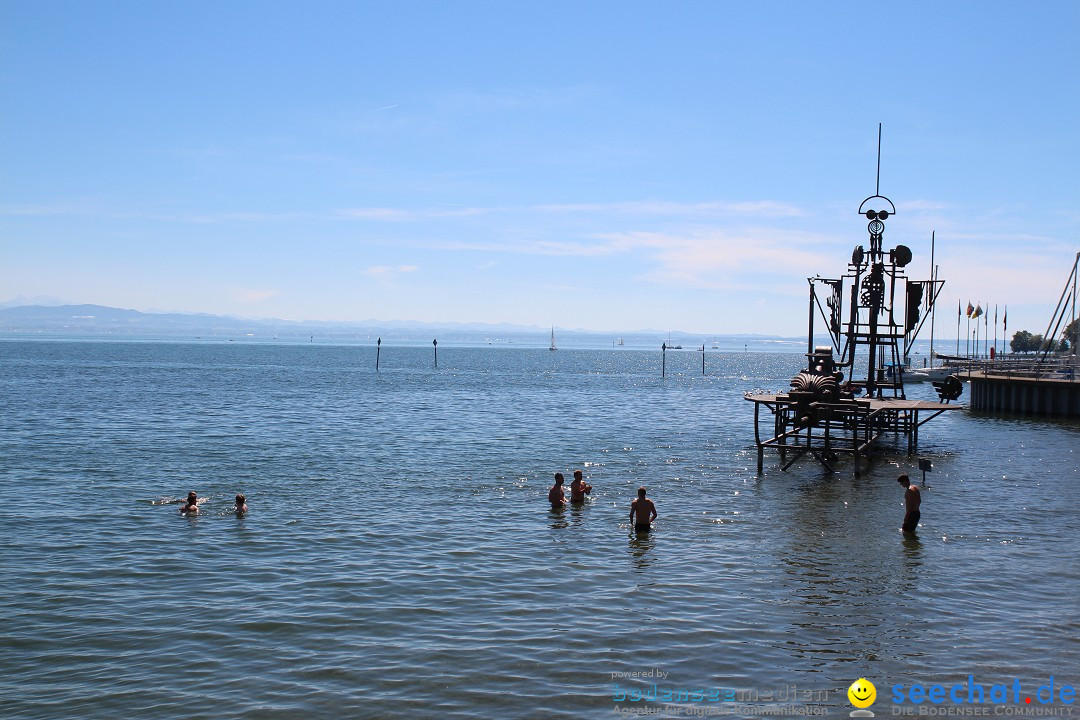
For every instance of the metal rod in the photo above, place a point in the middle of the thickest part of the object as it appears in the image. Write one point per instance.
(1076, 264)
(877, 186)
(1061, 307)
(933, 285)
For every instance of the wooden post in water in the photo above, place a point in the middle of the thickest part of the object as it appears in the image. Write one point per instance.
(435, 344)
(663, 355)
(378, 349)
(702, 358)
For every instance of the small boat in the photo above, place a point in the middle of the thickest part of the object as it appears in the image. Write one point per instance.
(933, 374)
(552, 348)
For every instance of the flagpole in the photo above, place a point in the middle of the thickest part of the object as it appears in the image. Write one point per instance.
(957, 327)
(996, 351)
(933, 289)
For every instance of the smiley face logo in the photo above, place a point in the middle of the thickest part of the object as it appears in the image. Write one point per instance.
(862, 693)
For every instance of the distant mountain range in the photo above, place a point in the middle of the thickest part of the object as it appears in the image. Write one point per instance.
(101, 320)
(92, 319)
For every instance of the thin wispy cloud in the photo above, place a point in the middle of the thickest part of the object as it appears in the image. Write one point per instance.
(400, 215)
(719, 259)
(532, 246)
(390, 214)
(763, 208)
(387, 272)
(760, 208)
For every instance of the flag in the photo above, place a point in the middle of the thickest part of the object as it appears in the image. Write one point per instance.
(977, 312)
(970, 309)
(1005, 329)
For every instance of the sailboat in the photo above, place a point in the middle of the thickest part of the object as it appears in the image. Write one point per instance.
(941, 372)
(552, 348)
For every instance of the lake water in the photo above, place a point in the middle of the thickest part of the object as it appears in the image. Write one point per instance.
(400, 559)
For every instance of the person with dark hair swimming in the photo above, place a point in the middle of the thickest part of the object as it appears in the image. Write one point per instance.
(642, 512)
(191, 505)
(241, 505)
(556, 495)
(912, 502)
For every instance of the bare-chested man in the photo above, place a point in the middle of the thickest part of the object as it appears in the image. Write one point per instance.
(912, 501)
(642, 512)
(579, 488)
(191, 505)
(556, 495)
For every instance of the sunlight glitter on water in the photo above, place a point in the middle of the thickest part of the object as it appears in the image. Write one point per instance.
(400, 558)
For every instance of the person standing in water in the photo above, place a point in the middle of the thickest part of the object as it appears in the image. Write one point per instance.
(912, 501)
(241, 505)
(556, 495)
(579, 488)
(642, 512)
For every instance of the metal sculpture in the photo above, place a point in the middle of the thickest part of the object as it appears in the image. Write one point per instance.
(825, 416)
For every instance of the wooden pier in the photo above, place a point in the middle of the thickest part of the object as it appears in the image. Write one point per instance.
(839, 428)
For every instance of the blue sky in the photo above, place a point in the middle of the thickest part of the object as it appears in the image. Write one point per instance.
(595, 165)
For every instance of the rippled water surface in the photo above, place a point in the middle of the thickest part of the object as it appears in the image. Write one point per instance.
(400, 559)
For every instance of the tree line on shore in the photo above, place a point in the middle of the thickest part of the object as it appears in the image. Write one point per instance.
(1023, 341)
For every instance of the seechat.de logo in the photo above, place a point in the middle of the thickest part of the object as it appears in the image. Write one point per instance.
(862, 695)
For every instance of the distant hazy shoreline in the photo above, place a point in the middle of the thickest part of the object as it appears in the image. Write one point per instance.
(98, 322)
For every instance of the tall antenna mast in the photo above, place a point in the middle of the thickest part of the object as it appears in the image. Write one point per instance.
(877, 185)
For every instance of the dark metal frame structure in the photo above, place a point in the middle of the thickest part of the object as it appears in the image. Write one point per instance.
(823, 415)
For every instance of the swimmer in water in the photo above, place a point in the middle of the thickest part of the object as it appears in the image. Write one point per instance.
(642, 512)
(556, 495)
(241, 505)
(579, 488)
(191, 505)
